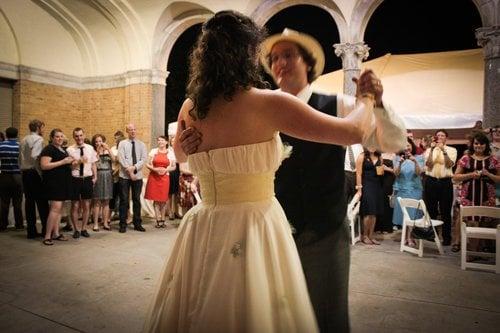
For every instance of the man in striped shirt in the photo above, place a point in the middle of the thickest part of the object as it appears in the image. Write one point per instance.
(11, 188)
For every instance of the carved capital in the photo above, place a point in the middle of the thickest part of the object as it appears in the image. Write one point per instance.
(489, 39)
(352, 54)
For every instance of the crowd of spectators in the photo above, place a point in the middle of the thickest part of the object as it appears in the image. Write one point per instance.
(431, 170)
(96, 180)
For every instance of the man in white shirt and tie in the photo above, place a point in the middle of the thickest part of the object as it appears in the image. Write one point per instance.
(132, 155)
(84, 176)
(351, 154)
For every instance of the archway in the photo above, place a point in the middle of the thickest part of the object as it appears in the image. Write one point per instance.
(178, 68)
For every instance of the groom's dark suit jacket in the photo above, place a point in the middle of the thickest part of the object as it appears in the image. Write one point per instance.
(310, 183)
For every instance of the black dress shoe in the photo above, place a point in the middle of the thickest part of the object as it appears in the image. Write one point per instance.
(139, 228)
(123, 229)
(76, 234)
(85, 234)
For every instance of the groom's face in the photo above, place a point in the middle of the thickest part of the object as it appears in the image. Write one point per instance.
(287, 65)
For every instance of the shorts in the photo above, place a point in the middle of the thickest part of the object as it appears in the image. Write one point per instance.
(81, 188)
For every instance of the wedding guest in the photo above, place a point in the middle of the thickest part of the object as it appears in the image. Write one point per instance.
(84, 176)
(174, 190)
(11, 185)
(369, 177)
(132, 155)
(29, 158)
(407, 167)
(479, 173)
(158, 182)
(56, 179)
(114, 203)
(188, 188)
(438, 195)
(103, 188)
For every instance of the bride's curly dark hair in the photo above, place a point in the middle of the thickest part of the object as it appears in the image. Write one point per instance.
(224, 59)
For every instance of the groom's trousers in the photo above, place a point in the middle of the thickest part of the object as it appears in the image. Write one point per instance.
(326, 262)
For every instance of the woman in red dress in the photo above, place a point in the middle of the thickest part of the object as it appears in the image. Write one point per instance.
(159, 180)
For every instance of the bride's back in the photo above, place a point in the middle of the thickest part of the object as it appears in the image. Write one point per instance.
(232, 123)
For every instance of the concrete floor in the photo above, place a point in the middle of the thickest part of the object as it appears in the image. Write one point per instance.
(105, 283)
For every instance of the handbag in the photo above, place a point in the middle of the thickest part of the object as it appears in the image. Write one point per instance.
(392, 200)
(425, 233)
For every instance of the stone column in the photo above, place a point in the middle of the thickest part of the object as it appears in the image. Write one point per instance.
(489, 39)
(158, 105)
(352, 55)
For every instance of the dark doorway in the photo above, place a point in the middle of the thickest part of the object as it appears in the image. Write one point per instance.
(409, 26)
(178, 66)
(313, 21)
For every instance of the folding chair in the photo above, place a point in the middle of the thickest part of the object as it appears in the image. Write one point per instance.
(482, 233)
(353, 218)
(423, 221)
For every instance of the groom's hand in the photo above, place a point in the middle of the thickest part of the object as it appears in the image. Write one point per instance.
(189, 139)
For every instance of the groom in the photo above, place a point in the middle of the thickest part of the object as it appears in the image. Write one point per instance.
(310, 183)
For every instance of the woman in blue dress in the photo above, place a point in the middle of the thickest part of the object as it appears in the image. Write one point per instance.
(408, 184)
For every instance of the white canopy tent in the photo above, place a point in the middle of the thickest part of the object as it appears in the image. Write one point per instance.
(429, 90)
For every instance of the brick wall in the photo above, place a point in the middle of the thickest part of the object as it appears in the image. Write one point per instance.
(97, 110)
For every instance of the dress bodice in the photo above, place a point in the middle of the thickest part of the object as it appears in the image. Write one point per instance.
(238, 174)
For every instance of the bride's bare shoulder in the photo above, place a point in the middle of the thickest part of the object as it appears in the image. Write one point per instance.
(271, 96)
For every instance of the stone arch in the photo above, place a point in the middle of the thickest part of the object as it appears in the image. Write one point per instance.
(175, 19)
(361, 15)
(14, 37)
(489, 11)
(269, 8)
(78, 31)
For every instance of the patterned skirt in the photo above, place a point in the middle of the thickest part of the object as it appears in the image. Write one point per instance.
(187, 199)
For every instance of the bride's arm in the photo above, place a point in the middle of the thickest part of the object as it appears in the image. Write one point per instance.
(374, 128)
(288, 114)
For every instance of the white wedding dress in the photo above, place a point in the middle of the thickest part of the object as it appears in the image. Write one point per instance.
(234, 266)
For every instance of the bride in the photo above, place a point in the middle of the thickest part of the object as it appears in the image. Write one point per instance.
(234, 266)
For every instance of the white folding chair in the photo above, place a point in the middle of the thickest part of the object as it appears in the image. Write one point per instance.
(353, 218)
(482, 233)
(424, 221)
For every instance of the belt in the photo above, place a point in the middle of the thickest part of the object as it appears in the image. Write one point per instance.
(81, 177)
(349, 171)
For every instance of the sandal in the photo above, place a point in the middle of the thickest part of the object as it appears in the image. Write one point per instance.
(60, 238)
(48, 241)
(163, 225)
(158, 224)
(367, 241)
(96, 229)
(106, 227)
(455, 248)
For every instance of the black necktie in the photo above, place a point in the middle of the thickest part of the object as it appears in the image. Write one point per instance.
(134, 155)
(351, 158)
(81, 161)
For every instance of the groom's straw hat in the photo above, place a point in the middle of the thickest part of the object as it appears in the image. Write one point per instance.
(310, 44)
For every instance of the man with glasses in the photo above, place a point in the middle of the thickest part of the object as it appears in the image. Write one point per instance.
(310, 183)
